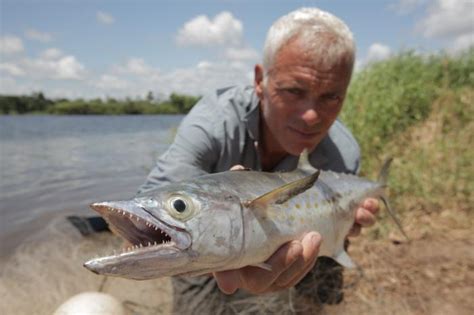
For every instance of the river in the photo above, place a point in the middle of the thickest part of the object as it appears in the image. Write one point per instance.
(52, 166)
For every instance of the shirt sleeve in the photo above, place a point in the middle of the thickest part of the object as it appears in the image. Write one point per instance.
(193, 152)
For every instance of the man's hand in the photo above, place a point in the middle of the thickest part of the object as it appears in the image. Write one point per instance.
(365, 215)
(290, 263)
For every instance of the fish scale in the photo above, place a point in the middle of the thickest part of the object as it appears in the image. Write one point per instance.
(232, 219)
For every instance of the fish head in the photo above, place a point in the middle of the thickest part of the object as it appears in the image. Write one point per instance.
(182, 229)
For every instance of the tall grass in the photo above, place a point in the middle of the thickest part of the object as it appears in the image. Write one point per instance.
(419, 110)
(387, 97)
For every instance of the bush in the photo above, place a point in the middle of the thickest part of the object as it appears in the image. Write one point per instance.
(387, 97)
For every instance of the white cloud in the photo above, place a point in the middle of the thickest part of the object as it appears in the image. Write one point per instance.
(11, 44)
(204, 78)
(11, 69)
(38, 35)
(203, 65)
(69, 68)
(448, 18)
(136, 66)
(242, 54)
(104, 18)
(51, 53)
(9, 86)
(224, 29)
(377, 52)
(63, 68)
(110, 82)
(462, 43)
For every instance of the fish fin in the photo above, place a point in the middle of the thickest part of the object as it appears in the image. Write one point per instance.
(265, 266)
(283, 193)
(343, 259)
(383, 174)
(394, 217)
(382, 179)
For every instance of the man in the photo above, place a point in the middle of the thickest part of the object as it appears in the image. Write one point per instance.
(298, 92)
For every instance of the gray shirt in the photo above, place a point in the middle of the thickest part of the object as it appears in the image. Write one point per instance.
(222, 130)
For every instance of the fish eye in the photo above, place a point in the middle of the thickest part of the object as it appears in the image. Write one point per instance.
(179, 205)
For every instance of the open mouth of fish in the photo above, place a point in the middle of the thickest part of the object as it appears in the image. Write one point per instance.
(143, 232)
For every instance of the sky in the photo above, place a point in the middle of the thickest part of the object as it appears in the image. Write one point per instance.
(126, 48)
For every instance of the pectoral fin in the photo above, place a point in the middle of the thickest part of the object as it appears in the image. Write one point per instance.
(343, 259)
(283, 193)
(263, 266)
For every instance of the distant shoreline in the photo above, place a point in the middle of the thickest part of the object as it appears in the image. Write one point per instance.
(37, 103)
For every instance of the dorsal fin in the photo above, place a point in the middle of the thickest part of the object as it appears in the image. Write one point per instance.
(283, 193)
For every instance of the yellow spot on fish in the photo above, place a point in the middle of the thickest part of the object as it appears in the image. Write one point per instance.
(297, 206)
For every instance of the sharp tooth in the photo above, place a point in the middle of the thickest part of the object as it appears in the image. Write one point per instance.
(155, 243)
(141, 245)
(149, 244)
(156, 228)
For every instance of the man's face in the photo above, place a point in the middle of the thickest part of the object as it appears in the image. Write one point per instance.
(300, 99)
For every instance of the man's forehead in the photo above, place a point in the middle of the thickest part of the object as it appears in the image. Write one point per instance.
(317, 55)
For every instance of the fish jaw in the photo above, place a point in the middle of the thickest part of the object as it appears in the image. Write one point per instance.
(155, 243)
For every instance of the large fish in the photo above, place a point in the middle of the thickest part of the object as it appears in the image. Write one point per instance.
(230, 220)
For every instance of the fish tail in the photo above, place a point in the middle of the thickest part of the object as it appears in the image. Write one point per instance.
(394, 216)
(383, 181)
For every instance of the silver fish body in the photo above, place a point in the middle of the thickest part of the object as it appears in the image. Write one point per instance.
(230, 220)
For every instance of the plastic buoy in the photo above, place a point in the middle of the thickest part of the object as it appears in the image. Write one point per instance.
(91, 303)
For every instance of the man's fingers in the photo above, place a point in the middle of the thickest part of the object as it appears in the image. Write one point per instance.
(311, 243)
(364, 217)
(228, 281)
(258, 280)
(371, 204)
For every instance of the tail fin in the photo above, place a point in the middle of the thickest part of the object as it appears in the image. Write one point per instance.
(394, 217)
(382, 179)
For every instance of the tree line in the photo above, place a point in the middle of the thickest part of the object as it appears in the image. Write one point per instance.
(37, 103)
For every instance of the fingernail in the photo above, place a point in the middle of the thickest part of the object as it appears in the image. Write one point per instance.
(315, 238)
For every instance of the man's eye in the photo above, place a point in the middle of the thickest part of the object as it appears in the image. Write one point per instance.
(332, 97)
(294, 91)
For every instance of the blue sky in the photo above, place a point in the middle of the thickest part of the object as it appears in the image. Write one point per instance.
(125, 48)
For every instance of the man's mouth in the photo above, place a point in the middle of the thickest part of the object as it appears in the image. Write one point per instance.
(304, 133)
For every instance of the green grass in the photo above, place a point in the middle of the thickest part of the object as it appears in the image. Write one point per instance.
(420, 111)
(389, 96)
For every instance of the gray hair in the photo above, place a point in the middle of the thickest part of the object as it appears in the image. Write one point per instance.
(323, 34)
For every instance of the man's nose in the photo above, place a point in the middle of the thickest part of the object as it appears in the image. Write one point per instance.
(311, 117)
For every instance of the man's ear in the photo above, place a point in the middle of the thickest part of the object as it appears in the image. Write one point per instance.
(258, 80)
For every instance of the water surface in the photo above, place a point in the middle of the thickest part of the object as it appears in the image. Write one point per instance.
(56, 165)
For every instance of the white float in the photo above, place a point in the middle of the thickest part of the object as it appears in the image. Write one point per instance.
(91, 303)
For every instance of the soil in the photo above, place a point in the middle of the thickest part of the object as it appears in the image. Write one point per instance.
(433, 273)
